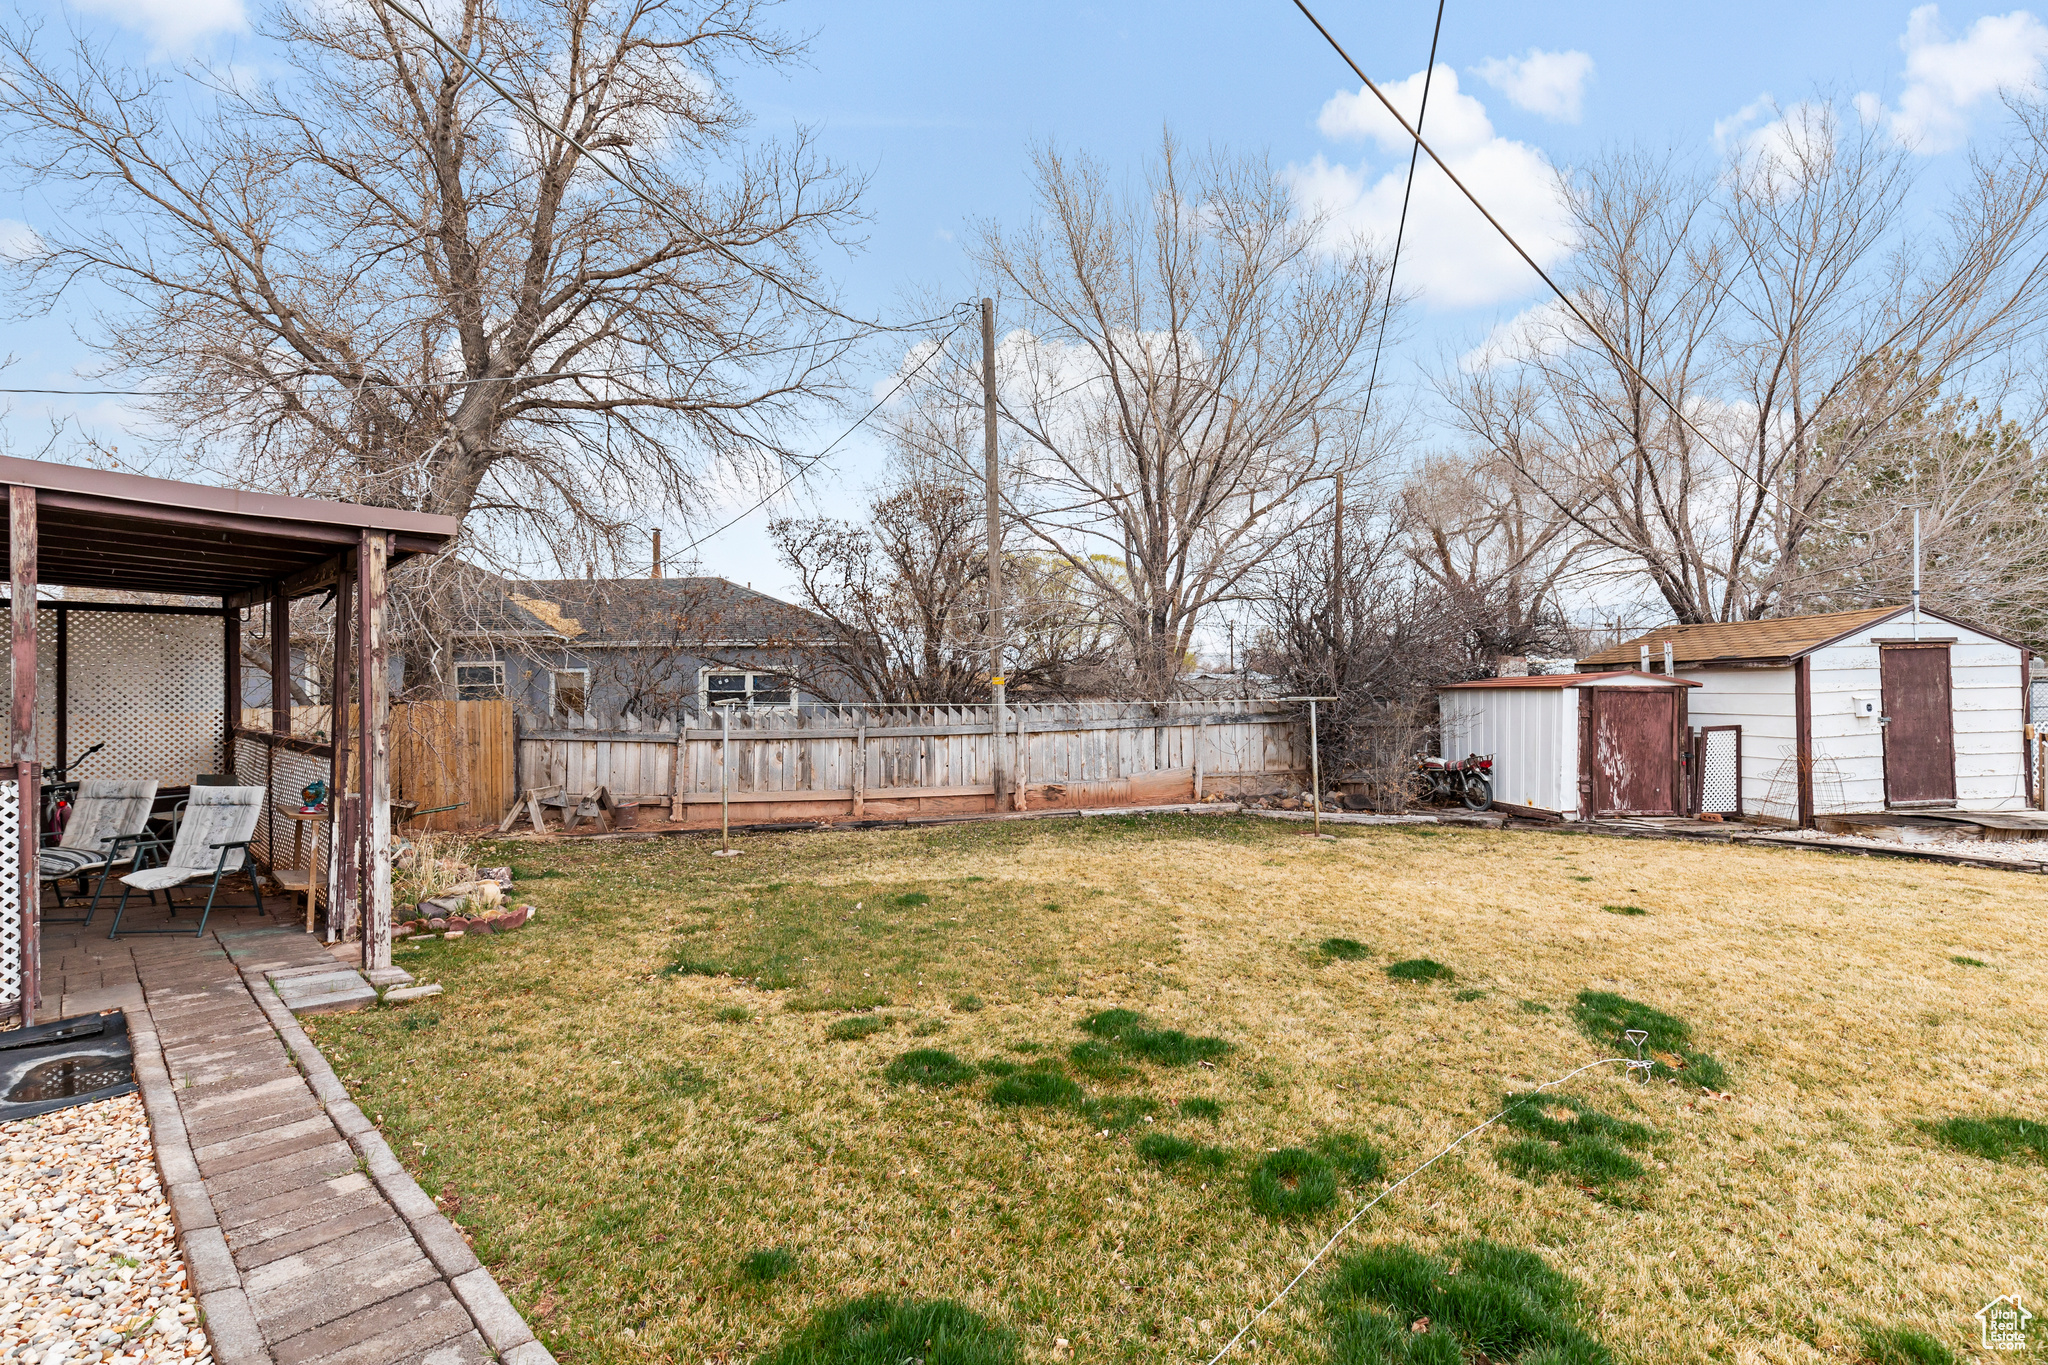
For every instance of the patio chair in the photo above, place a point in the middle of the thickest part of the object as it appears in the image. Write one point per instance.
(106, 828)
(213, 841)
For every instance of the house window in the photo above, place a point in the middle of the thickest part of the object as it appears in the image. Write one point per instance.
(479, 682)
(570, 689)
(754, 691)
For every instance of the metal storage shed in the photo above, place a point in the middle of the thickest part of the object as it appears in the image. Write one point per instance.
(1856, 712)
(1575, 745)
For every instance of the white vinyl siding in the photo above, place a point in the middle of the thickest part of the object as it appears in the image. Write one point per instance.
(1532, 733)
(1760, 701)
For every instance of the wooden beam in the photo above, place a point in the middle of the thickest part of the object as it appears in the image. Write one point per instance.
(372, 740)
(326, 574)
(1802, 716)
(341, 848)
(280, 663)
(230, 685)
(63, 682)
(21, 564)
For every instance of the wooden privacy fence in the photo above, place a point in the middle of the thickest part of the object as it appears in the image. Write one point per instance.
(861, 761)
(452, 753)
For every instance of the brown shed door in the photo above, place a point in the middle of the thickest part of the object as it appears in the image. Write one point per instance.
(1634, 754)
(1920, 725)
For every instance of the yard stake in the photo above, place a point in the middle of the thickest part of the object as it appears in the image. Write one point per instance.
(1367, 1207)
(725, 849)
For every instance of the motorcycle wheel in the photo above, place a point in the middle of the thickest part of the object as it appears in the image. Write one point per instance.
(1477, 793)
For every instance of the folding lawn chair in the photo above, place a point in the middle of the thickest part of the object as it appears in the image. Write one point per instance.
(106, 827)
(213, 840)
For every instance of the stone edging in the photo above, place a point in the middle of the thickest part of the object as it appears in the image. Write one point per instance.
(499, 1323)
(224, 1310)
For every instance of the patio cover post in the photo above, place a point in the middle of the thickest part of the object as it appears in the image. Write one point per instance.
(21, 540)
(341, 848)
(373, 759)
(280, 661)
(230, 684)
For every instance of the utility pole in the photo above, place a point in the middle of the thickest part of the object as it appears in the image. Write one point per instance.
(997, 683)
(657, 554)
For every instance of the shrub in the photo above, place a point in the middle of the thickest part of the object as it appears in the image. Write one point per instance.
(1344, 949)
(761, 1267)
(1994, 1139)
(1420, 969)
(1489, 1301)
(880, 1330)
(857, 1027)
(1036, 1089)
(1292, 1183)
(930, 1066)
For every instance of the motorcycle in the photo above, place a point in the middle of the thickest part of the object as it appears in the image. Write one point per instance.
(1468, 780)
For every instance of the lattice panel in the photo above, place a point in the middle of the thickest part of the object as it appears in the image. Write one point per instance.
(150, 686)
(287, 773)
(1721, 772)
(10, 892)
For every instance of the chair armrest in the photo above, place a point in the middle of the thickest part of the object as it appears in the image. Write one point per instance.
(238, 843)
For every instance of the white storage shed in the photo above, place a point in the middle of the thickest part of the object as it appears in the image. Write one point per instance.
(1574, 745)
(1851, 712)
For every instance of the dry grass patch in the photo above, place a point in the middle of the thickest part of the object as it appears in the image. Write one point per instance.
(616, 1144)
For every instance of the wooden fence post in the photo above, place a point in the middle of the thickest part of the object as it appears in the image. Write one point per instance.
(860, 771)
(1201, 739)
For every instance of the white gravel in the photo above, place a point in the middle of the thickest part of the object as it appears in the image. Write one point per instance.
(1990, 850)
(89, 1263)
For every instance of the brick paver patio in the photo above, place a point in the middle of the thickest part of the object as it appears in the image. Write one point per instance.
(306, 1241)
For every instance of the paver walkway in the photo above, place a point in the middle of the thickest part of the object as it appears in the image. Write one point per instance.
(306, 1241)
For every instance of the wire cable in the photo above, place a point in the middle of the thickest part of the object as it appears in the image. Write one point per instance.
(938, 347)
(1509, 238)
(1407, 190)
(1367, 1207)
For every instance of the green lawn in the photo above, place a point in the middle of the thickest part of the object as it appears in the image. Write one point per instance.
(1108, 1083)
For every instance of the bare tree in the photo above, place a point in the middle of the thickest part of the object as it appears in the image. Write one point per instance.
(374, 280)
(1181, 385)
(906, 591)
(1785, 307)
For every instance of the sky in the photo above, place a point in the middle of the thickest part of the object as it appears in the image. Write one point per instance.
(940, 105)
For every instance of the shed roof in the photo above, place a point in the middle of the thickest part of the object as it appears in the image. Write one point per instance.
(1561, 680)
(1783, 637)
(98, 528)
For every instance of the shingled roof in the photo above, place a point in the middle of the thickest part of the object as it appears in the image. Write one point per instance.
(1784, 637)
(667, 611)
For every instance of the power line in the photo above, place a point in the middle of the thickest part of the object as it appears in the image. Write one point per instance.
(813, 462)
(1407, 190)
(1509, 238)
(542, 377)
(532, 112)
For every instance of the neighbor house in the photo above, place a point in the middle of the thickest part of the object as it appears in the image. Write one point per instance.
(606, 651)
(1849, 712)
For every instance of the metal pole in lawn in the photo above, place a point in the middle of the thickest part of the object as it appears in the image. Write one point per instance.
(725, 849)
(1315, 767)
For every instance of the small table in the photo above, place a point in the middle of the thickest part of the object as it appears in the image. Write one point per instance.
(293, 878)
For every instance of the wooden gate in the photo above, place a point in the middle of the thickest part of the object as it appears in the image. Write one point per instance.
(452, 753)
(1630, 751)
(1919, 726)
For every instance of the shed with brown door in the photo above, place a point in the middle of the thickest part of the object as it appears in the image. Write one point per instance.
(1575, 745)
(1852, 712)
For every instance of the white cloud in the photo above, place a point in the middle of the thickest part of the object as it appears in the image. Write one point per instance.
(172, 24)
(1552, 84)
(1540, 329)
(1795, 133)
(1947, 78)
(18, 241)
(1450, 254)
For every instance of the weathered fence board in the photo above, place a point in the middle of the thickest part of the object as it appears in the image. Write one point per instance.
(845, 760)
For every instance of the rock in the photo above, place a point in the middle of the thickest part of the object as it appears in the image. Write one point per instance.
(437, 907)
(501, 875)
(513, 919)
(402, 930)
(437, 923)
(481, 924)
(453, 933)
